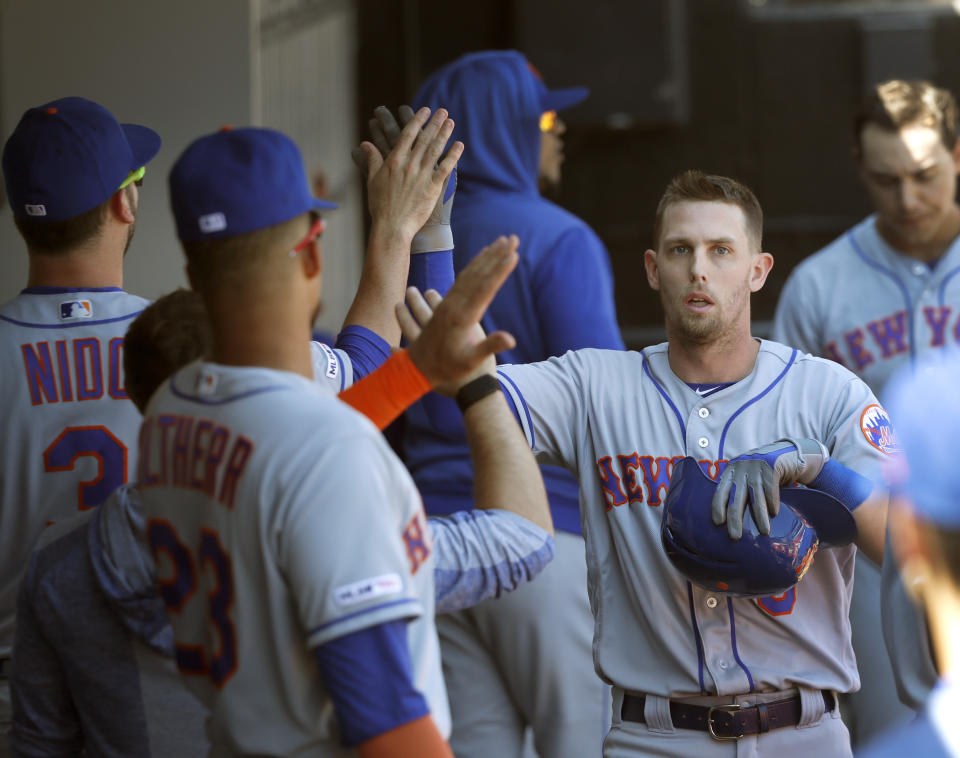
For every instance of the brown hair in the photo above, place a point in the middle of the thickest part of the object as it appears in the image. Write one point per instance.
(696, 186)
(216, 260)
(897, 103)
(51, 237)
(168, 334)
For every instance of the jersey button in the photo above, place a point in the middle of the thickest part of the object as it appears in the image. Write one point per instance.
(723, 664)
(919, 269)
(711, 602)
(703, 413)
(703, 442)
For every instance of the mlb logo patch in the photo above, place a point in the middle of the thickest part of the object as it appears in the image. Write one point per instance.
(74, 309)
(876, 427)
(213, 222)
(35, 210)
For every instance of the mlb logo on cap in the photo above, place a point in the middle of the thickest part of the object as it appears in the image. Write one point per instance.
(74, 309)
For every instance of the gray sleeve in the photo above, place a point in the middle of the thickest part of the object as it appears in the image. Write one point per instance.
(483, 553)
(331, 367)
(550, 401)
(906, 637)
(797, 319)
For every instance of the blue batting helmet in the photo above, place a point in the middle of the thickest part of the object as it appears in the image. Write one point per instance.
(757, 564)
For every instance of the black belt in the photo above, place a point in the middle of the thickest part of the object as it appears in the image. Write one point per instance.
(727, 721)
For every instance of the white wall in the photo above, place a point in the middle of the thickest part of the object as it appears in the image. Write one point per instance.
(185, 68)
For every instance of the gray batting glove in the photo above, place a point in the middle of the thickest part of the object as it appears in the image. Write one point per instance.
(435, 234)
(758, 476)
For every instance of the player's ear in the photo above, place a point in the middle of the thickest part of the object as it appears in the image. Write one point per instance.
(122, 207)
(956, 157)
(311, 259)
(653, 271)
(760, 269)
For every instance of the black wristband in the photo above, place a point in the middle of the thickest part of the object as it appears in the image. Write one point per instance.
(476, 390)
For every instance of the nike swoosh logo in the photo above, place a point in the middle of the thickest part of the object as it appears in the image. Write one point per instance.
(700, 392)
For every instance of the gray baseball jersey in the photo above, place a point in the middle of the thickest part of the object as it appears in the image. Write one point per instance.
(620, 420)
(69, 433)
(861, 303)
(876, 311)
(279, 520)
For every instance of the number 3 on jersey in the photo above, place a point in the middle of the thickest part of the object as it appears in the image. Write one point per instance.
(96, 442)
(178, 589)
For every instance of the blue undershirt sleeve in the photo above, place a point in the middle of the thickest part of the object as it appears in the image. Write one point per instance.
(432, 271)
(367, 349)
(369, 676)
(845, 484)
(573, 290)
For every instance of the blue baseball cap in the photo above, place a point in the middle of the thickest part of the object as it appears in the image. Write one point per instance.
(236, 181)
(557, 99)
(925, 409)
(70, 155)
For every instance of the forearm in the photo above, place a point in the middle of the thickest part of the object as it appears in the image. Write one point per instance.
(382, 283)
(871, 518)
(506, 475)
(863, 498)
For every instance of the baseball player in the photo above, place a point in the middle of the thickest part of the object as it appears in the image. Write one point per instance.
(305, 532)
(697, 672)
(874, 300)
(96, 648)
(925, 531)
(72, 175)
(501, 657)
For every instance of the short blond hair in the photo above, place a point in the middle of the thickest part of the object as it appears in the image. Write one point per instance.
(898, 103)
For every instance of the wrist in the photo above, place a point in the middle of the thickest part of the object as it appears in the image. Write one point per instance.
(388, 233)
(476, 390)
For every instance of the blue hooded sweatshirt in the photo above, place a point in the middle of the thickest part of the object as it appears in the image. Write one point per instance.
(559, 298)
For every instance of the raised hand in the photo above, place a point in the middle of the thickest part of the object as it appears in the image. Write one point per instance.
(404, 188)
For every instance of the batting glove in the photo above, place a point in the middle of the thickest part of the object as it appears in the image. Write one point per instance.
(758, 475)
(435, 235)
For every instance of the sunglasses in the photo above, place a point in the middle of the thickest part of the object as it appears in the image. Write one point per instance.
(135, 177)
(317, 226)
(548, 120)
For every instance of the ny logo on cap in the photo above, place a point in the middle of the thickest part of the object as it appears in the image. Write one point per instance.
(35, 210)
(213, 222)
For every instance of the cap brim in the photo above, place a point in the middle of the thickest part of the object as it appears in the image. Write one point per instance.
(834, 524)
(560, 99)
(323, 205)
(143, 141)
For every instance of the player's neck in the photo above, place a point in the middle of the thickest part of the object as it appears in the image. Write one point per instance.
(77, 269)
(268, 334)
(933, 248)
(721, 360)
